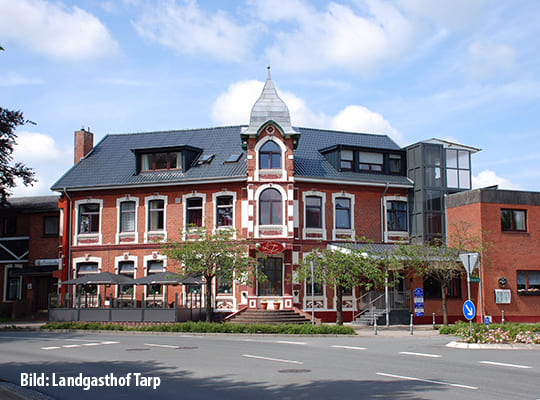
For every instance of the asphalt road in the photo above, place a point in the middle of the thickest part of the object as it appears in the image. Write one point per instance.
(265, 367)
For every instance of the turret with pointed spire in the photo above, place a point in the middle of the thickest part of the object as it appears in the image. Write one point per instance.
(269, 107)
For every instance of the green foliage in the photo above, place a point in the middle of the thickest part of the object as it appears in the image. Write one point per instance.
(209, 327)
(9, 120)
(496, 333)
(211, 253)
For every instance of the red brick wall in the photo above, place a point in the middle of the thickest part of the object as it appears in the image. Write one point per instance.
(507, 253)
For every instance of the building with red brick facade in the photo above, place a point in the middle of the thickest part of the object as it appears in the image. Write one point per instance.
(29, 254)
(508, 223)
(289, 189)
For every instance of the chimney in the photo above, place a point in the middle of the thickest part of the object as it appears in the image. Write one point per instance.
(84, 142)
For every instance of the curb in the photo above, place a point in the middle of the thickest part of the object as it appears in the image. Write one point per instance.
(494, 346)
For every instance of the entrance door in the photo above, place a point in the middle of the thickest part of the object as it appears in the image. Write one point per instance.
(273, 269)
(44, 286)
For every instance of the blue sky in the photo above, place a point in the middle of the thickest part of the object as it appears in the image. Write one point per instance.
(462, 70)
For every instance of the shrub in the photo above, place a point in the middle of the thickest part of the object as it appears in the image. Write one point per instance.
(496, 333)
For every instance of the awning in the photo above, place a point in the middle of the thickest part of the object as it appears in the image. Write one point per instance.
(167, 278)
(103, 278)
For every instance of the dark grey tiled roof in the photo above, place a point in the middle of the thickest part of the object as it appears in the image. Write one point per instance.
(112, 161)
(31, 204)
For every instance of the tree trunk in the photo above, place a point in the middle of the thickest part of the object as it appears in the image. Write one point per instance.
(444, 309)
(208, 301)
(339, 305)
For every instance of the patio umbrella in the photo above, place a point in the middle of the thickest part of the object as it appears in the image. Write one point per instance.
(166, 278)
(103, 278)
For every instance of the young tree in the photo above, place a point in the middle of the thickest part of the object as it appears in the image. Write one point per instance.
(9, 120)
(344, 269)
(439, 263)
(211, 254)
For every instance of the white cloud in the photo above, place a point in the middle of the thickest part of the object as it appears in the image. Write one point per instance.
(234, 107)
(339, 36)
(189, 30)
(488, 60)
(17, 79)
(68, 34)
(48, 160)
(490, 178)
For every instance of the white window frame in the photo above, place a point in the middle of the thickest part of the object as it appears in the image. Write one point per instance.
(322, 230)
(347, 232)
(75, 274)
(284, 207)
(162, 233)
(184, 208)
(126, 257)
(119, 234)
(79, 236)
(153, 257)
(276, 139)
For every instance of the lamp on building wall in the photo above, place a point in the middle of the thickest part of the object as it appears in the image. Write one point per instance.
(502, 281)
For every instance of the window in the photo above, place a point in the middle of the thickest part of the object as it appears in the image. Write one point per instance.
(8, 225)
(154, 267)
(89, 218)
(194, 211)
(270, 156)
(224, 286)
(272, 268)
(394, 164)
(161, 161)
(343, 213)
(233, 158)
(224, 211)
(50, 225)
(396, 213)
(458, 174)
(372, 162)
(513, 220)
(346, 162)
(528, 282)
(156, 212)
(432, 154)
(13, 284)
(270, 207)
(127, 216)
(313, 212)
(317, 288)
(126, 268)
(432, 288)
(86, 268)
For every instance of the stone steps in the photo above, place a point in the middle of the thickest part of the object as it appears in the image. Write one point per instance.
(269, 317)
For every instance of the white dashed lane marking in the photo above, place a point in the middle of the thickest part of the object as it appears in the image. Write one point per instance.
(410, 353)
(504, 364)
(72, 346)
(350, 347)
(410, 378)
(272, 359)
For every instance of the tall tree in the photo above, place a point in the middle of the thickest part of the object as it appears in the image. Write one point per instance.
(344, 269)
(211, 254)
(9, 120)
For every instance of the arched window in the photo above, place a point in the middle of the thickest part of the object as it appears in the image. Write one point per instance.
(270, 207)
(270, 156)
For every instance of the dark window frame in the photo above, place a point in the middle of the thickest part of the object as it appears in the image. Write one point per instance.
(432, 288)
(394, 216)
(89, 220)
(337, 208)
(56, 224)
(168, 155)
(523, 282)
(274, 217)
(512, 227)
(313, 208)
(273, 155)
(9, 225)
(224, 211)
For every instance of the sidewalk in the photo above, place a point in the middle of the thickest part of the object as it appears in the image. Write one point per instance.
(394, 330)
(22, 325)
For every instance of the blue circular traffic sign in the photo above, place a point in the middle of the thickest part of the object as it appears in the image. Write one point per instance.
(469, 311)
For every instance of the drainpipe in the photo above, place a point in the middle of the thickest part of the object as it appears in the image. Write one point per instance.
(382, 240)
(69, 227)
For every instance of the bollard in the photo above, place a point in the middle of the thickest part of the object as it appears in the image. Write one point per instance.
(375, 325)
(502, 317)
(433, 319)
(411, 325)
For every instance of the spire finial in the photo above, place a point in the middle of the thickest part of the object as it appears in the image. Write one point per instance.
(268, 68)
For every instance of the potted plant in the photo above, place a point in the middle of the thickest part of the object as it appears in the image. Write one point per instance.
(277, 304)
(264, 304)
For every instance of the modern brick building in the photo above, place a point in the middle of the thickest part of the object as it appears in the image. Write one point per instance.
(29, 254)
(508, 223)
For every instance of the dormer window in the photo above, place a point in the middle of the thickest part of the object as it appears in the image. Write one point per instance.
(346, 162)
(161, 161)
(372, 162)
(270, 156)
